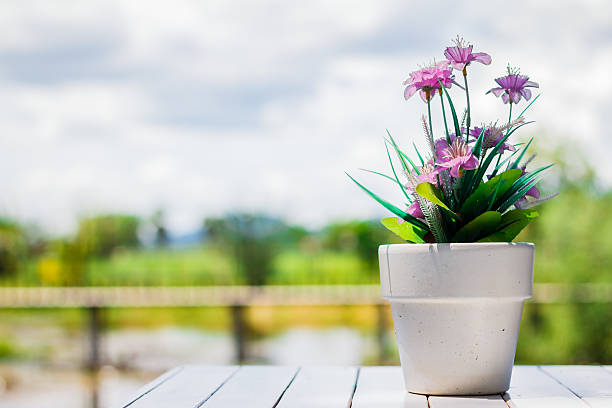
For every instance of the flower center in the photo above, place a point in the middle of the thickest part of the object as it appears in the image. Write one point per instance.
(458, 148)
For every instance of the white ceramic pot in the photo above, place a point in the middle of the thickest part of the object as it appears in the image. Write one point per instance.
(457, 311)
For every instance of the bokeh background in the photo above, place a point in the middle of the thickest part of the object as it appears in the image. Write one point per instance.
(203, 144)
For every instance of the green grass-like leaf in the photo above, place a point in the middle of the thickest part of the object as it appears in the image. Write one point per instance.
(418, 154)
(380, 174)
(518, 189)
(402, 156)
(405, 216)
(453, 112)
(395, 174)
(523, 151)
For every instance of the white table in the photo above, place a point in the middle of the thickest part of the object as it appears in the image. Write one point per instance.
(361, 387)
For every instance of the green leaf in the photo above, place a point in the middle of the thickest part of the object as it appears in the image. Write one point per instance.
(528, 106)
(395, 174)
(402, 156)
(433, 194)
(418, 154)
(478, 145)
(520, 187)
(478, 202)
(453, 112)
(487, 161)
(518, 195)
(481, 226)
(512, 223)
(380, 174)
(404, 230)
(523, 151)
(405, 216)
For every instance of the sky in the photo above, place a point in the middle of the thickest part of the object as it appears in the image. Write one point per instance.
(200, 108)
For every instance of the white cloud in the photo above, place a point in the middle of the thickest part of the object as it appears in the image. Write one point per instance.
(203, 107)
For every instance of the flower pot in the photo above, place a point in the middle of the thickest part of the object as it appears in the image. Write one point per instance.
(457, 311)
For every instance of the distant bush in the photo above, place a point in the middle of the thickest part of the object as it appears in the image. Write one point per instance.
(100, 235)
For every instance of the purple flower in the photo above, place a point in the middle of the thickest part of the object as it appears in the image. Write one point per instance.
(532, 192)
(461, 55)
(426, 80)
(455, 157)
(513, 86)
(492, 136)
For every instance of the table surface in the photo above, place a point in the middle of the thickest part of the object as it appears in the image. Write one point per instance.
(361, 387)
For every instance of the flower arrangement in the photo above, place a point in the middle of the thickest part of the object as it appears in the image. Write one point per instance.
(472, 184)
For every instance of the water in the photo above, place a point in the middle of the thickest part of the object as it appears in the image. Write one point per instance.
(133, 357)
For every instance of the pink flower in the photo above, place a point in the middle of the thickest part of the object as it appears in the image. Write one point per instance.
(426, 80)
(513, 86)
(455, 157)
(428, 174)
(461, 55)
(415, 210)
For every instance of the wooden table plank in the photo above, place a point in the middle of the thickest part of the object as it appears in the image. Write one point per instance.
(188, 387)
(253, 387)
(530, 387)
(383, 387)
(324, 387)
(591, 383)
(485, 401)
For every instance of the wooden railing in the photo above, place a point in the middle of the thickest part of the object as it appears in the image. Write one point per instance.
(95, 300)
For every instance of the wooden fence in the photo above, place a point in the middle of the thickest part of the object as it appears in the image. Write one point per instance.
(95, 300)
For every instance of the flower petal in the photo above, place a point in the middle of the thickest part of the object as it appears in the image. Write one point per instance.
(482, 57)
(496, 91)
(454, 171)
(471, 163)
(505, 97)
(533, 192)
(531, 84)
(415, 210)
(409, 91)
(458, 65)
(526, 93)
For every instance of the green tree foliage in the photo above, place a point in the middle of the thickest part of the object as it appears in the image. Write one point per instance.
(253, 241)
(361, 237)
(100, 235)
(13, 247)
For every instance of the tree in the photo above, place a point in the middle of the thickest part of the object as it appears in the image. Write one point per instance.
(252, 239)
(100, 235)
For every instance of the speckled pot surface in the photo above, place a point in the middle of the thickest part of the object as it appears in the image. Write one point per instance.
(456, 312)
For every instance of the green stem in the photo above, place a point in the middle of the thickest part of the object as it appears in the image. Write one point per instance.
(448, 140)
(467, 96)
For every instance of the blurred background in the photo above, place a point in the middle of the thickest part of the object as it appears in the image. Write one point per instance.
(173, 188)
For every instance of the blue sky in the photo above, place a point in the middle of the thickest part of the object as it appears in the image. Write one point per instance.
(200, 108)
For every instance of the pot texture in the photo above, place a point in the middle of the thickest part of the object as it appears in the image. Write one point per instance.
(457, 311)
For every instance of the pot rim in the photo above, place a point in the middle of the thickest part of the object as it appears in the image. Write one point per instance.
(463, 244)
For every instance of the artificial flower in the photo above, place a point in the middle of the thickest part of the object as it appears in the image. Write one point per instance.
(455, 157)
(426, 80)
(512, 87)
(492, 136)
(461, 55)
